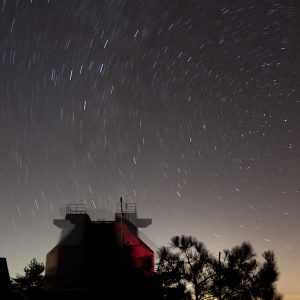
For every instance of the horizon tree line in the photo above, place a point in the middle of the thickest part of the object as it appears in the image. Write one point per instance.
(187, 270)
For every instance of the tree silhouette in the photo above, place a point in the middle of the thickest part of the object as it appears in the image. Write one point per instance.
(235, 274)
(32, 279)
(184, 268)
(241, 276)
(266, 278)
(187, 270)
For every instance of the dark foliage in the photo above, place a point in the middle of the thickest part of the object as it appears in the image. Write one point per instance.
(32, 279)
(187, 268)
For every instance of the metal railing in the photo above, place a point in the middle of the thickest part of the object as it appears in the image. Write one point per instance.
(126, 208)
(76, 208)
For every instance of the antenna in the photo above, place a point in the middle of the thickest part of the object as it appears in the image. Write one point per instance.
(122, 229)
(219, 271)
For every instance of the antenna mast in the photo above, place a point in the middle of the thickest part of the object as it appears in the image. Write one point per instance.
(122, 229)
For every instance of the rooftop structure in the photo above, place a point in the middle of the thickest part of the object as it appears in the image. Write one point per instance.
(92, 253)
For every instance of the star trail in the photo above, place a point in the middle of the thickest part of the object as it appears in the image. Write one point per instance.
(188, 108)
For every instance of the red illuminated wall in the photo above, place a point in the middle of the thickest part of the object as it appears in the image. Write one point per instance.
(143, 256)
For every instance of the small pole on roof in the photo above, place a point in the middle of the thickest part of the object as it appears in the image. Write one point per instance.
(122, 229)
(219, 271)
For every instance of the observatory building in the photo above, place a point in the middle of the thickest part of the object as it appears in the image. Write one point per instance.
(96, 253)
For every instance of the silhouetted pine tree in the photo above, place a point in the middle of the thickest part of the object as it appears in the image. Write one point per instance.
(33, 278)
(186, 269)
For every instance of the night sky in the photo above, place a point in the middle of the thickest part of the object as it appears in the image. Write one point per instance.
(188, 108)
